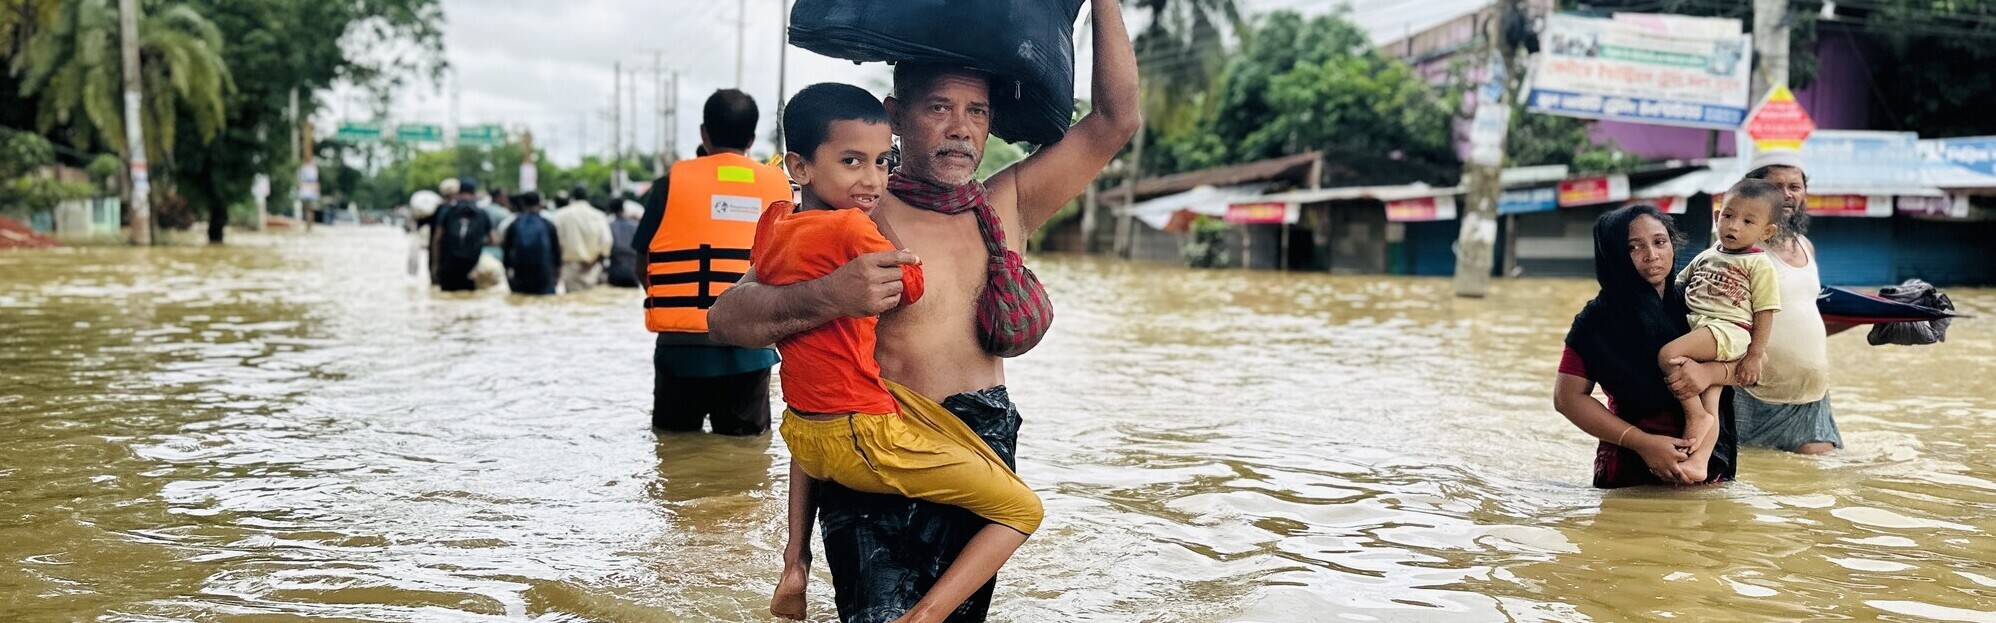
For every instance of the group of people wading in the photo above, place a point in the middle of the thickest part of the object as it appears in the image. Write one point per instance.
(895, 290)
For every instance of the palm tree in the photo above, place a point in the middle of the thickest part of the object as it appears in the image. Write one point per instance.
(73, 68)
(19, 21)
(1181, 53)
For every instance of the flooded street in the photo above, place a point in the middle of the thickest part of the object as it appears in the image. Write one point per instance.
(293, 428)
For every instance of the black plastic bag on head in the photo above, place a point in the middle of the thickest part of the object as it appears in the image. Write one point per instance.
(1028, 45)
(1919, 333)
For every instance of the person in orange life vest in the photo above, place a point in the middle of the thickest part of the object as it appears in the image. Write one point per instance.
(845, 423)
(692, 244)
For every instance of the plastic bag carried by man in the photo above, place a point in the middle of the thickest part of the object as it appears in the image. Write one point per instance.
(1915, 333)
(1032, 54)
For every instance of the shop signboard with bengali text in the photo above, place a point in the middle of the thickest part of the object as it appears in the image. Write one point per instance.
(1258, 213)
(1421, 209)
(1850, 205)
(1950, 206)
(1585, 191)
(1959, 162)
(1528, 200)
(1643, 68)
(1669, 205)
(1855, 161)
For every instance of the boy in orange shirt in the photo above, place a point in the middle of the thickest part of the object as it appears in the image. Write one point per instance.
(845, 423)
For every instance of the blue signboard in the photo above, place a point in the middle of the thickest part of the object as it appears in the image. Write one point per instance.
(1960, 162)
(1528, 200)
(1636, 109)
(1852, 162)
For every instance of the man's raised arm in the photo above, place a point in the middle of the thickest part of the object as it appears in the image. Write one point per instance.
(751, 314)
(1058, 173)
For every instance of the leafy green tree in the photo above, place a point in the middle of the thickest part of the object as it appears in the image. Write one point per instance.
(20, 20)
(22, 155)
(73, 70)
(276, 46)
(1300, 85)
(1536, 139)
(998, 154)
(1938, 55)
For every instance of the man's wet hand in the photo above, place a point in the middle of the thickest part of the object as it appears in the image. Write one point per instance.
(869, 285)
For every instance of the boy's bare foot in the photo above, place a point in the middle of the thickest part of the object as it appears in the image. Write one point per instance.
(789, 602)
(1694, 471)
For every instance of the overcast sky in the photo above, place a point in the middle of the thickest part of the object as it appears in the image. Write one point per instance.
(547, 66)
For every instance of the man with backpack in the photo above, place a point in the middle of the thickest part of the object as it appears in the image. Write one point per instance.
(458, 237)
(531, 248)
(623, 260)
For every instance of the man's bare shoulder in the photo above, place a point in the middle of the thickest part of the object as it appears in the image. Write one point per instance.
(1001, 190)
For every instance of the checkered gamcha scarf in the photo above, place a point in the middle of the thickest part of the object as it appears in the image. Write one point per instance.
(1013, 311)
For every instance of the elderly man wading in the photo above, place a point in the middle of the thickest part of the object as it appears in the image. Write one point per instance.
(885, 552)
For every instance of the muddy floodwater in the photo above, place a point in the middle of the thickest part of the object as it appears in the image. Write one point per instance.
(292, 428)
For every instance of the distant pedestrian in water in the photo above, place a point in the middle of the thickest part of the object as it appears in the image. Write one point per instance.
(623, 271)
(461, 230)
(585, 244)
(532, 249)
(498, 208)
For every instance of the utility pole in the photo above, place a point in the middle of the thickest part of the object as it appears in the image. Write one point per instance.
(291, 126)
(309, 206)
(450, 133)
(616, 128)
(632, 132)
(659, 159)
(261, 187)
(1477, 239)
(135, 140)
(782, 70)
(672, 119)
(741, 42)
(1770, 45)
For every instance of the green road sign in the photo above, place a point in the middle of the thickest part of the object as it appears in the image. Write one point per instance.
(485, 135)
(359, 132)
(419, 133)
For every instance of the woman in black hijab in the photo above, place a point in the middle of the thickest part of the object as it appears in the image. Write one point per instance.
(1613, 343)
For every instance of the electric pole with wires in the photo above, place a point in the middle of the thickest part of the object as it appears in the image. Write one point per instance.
(1476, 242)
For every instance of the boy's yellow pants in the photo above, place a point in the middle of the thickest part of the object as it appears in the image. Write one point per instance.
(925, 453)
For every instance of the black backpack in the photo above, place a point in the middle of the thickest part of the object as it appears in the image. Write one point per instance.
(530, 250)
(465, 229)
(623, 259)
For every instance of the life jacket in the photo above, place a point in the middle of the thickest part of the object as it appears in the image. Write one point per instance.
(702, 244)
